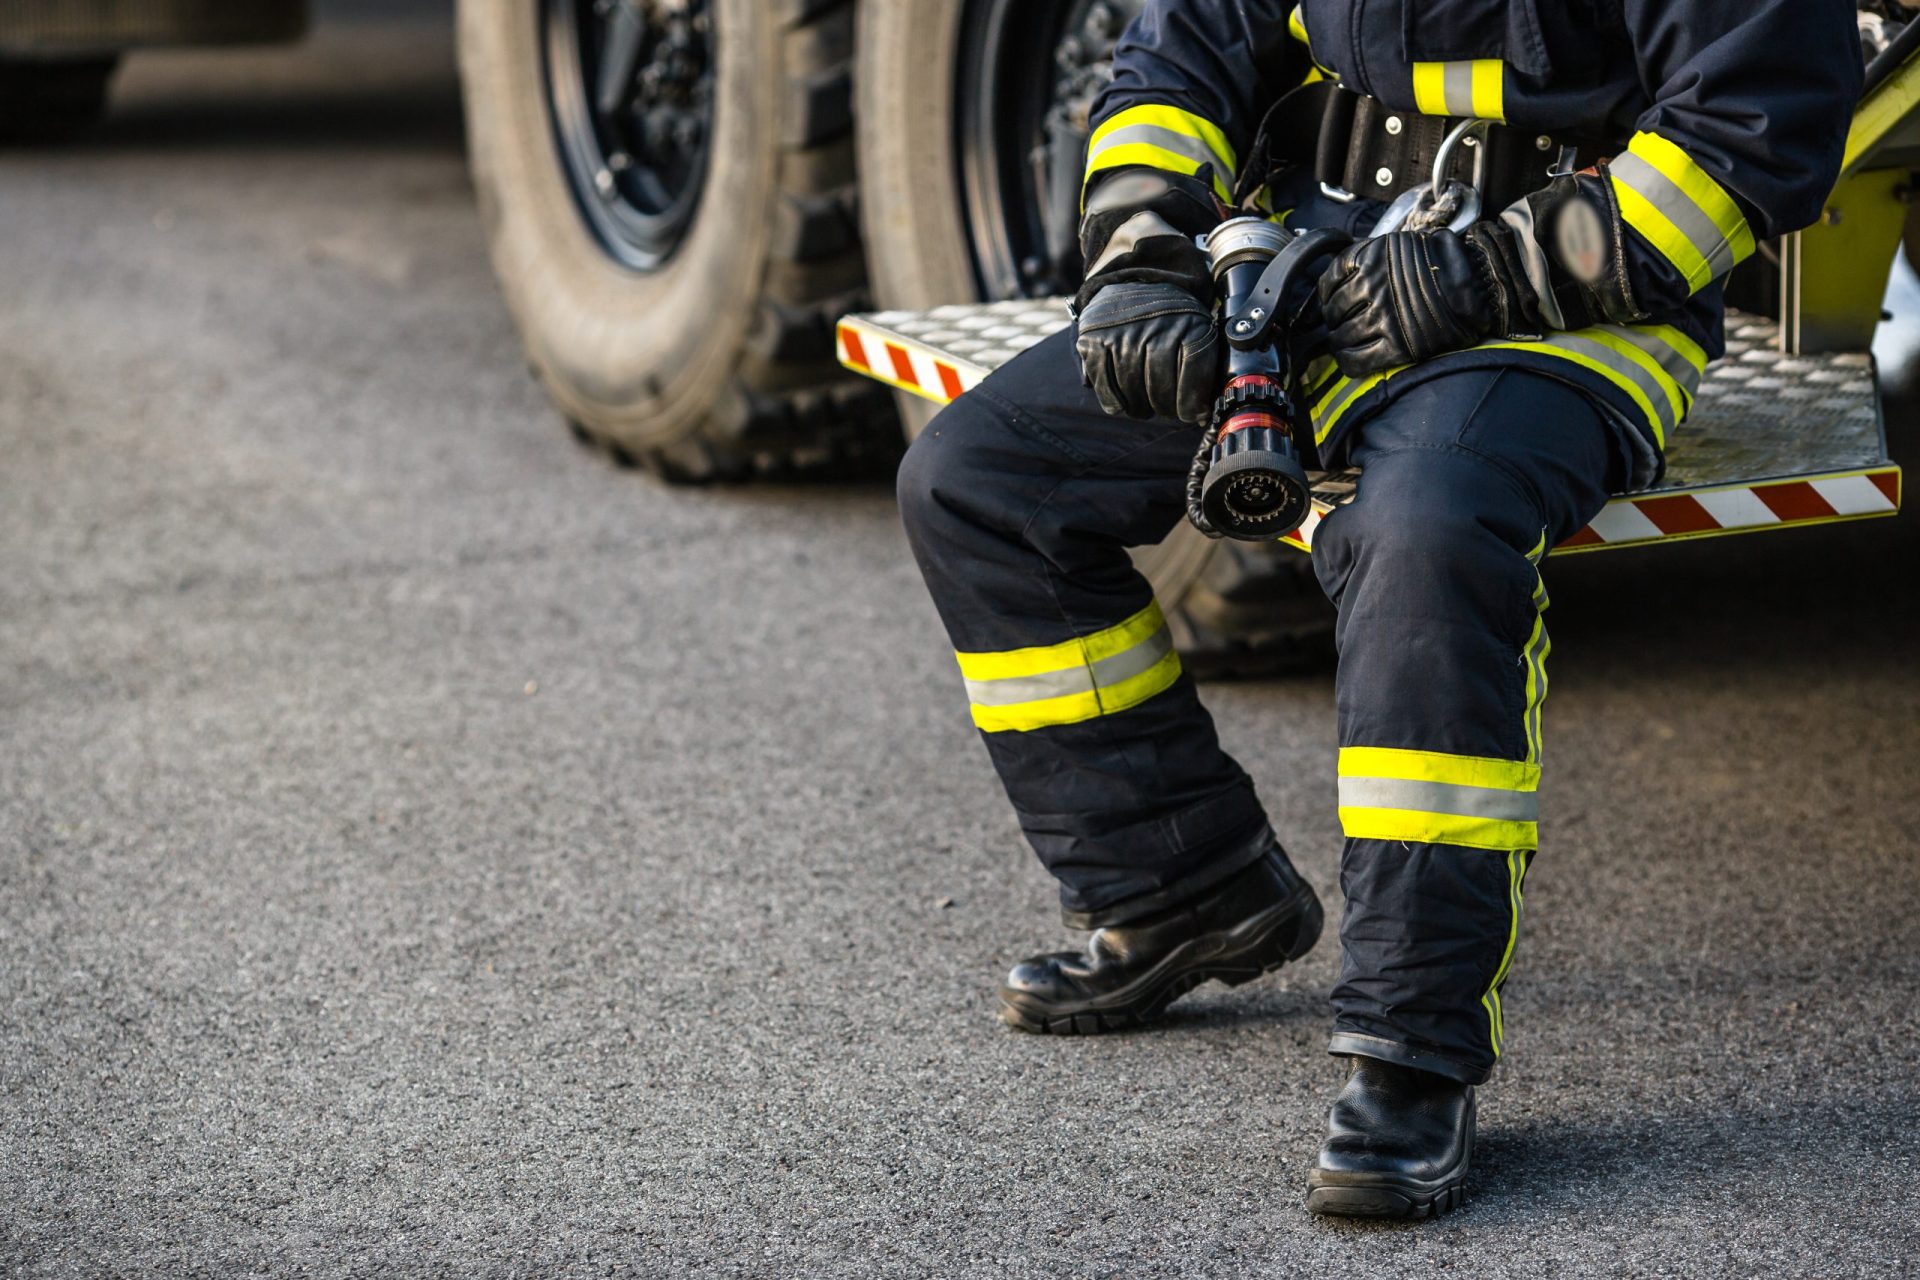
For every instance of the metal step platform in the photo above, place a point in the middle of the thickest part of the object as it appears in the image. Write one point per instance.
(1774, 441)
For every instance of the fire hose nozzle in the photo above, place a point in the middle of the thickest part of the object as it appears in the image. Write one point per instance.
(1248, 480)
(1255, 488)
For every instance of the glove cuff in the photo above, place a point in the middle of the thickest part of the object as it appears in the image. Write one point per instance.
(1577, 222)
(1140, 226)
(1113, 196)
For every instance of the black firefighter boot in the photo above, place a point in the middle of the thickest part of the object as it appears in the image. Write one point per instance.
(1398, 1144)
(1251, 923)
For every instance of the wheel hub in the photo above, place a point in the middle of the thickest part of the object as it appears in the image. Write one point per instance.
(630, 90)
(1028, 77)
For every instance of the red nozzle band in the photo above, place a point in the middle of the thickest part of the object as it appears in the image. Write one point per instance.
(1252, 418)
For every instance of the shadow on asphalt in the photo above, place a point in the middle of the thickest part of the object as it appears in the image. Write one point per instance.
(1690, 1153)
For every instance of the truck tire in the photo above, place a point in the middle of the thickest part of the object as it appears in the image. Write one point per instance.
(675, 261)
(934, 235)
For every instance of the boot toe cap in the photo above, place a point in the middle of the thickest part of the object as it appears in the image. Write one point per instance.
(1037, 976)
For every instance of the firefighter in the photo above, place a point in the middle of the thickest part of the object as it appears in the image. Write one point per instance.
(1493, 378)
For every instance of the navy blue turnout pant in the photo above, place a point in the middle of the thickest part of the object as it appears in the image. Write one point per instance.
(1020, 501)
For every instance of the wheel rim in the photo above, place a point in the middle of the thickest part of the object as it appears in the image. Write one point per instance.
(630, 94)
(1027, 77)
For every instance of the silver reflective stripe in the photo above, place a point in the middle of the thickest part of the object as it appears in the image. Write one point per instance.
(1457, 87)
(1340, 398)
(1104, 674)
(1128, 189)
(1139, 227)
(1179, 143)
(1662, 193)
(1519, 216)
(1440, 797)
(1628, 370)
(1677, 366)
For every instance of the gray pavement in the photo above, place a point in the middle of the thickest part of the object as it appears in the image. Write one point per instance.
(427, 849)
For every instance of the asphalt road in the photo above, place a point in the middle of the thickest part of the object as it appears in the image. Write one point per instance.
(427, 849)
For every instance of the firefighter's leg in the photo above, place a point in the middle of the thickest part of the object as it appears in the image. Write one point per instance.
(1466, 481)
(1020, 501)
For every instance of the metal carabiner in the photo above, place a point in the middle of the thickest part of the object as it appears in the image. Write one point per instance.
(1458, 203)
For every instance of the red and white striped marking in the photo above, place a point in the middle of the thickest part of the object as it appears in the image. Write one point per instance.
(903, 364)
(1665, 515)
(1672, 514)
(1762, 504)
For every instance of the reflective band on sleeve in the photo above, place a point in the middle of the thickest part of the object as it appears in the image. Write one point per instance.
(1472, 88)
(1680, 210)
(1433, 798)
(1164, 138)
(1079, 679)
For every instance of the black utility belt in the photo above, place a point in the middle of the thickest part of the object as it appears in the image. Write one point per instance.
(1364, 149)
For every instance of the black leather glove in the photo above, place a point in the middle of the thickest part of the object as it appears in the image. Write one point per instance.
(1148, 343)
(1412, 295)
(1151, 350)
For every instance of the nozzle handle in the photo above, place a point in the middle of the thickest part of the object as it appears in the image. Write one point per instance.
(1251, 325)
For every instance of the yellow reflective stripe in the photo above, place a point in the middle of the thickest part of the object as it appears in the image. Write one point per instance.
(1680, 209)
(1430, 88)
(1158, 157)
(1656, 365)
(1438, 766)
(1517, 862)
(1677, 400)
(1341, 396)
(1097, 674)
(1494, 834)
(1174, 120)
(1074, 708)
(1297, 28)
(1700, 186)
(1474, 87)
(1672, 243)
(1586, 361)
(1375, 771)
(1689, 350)
(1077, 652)
(1534, 655)
(1489, 89)
(1164, 138)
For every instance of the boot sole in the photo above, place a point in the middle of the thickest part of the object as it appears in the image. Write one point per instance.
(1282, 933)
(1381, 1200)
(1362, 1195)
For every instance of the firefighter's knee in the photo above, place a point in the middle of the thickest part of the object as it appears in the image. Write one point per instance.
(940, 466)
(1431, 534)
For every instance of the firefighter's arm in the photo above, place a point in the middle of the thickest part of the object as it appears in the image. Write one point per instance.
(1744, 138)
(1190, 80)
(1743, 141)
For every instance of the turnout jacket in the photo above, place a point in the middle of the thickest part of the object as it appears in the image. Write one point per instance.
(1723, 121)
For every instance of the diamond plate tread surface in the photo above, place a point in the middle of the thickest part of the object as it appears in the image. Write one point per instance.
(1760, 413)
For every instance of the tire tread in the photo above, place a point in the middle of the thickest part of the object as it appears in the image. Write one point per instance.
(787, 408)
